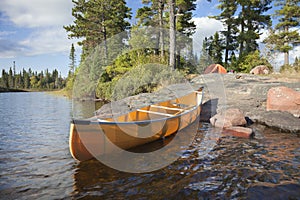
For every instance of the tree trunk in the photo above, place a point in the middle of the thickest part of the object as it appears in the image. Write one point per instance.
(227, 45)
(172, 34)
(286, 58)
(286, 54)
(161, 31)
(242, 33)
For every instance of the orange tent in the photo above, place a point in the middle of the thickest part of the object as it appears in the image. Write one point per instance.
(215, 68)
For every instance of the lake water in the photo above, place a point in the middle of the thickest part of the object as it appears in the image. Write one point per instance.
(35, 162)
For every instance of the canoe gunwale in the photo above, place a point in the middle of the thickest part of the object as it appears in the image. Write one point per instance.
(88, 122)
(100, 122)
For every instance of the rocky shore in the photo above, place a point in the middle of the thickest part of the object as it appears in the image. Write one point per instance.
(245, 92)
(249, 94)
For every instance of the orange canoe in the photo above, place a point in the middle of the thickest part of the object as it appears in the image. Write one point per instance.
(93, 137)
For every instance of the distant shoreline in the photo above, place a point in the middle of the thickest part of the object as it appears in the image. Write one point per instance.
(7, 90)
(3, 90)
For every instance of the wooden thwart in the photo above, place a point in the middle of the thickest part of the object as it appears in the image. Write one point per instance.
(156, 113)
(166, 108)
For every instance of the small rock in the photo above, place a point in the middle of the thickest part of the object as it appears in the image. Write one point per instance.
(284, 99)
(238, 131)
(231, 117)
(261, 69)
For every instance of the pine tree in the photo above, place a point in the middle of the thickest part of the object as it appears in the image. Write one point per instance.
(152, 14)
(26, 78)
(251, 19)
(4, 79)
(217, 48)
(72, 58)
(10, 78)
(228, 8)
(96, 21)
(185, 26)
(156, 14)
(283, 37)
(204, 56)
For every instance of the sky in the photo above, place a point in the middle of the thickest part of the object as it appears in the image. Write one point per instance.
(32, 34)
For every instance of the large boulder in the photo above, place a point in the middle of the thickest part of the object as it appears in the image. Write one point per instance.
(260, 69)
(284, 99)
(228, 118)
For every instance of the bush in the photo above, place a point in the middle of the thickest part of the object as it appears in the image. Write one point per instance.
(145, 78)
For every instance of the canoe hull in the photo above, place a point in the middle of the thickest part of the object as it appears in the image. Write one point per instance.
(90, 139)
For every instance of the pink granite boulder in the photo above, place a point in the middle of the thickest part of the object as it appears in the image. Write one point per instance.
(284, 99)
(228, 118)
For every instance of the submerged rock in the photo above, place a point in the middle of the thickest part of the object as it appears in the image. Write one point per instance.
(238, 131)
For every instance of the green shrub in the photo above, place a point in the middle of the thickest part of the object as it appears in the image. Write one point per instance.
(145, 78)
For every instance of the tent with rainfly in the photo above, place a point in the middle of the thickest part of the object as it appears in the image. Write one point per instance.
(215, 68)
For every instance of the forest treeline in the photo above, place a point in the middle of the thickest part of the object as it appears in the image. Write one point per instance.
(31, 80)
(104, 60)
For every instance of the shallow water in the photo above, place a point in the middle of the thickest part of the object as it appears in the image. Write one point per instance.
(35, 162)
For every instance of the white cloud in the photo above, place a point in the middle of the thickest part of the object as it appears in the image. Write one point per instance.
(205, 27)
(37, 27)
(49, 40)
(37, 13)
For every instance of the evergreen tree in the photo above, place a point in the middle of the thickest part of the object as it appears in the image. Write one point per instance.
(204, 56)
(283, 37)
(4, 79)
(26, 78)
(10, 79)
(186, 27)
(152, 14)
(251, 19)
(216, 49)
(96, 21)
(228, 8)
(72, 58)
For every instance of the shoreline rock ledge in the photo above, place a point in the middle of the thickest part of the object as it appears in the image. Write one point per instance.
(249, 94)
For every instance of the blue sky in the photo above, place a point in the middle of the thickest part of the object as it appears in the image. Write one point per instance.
(32, 34)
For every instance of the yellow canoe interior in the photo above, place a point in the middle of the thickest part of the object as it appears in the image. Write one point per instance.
(93, 137)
